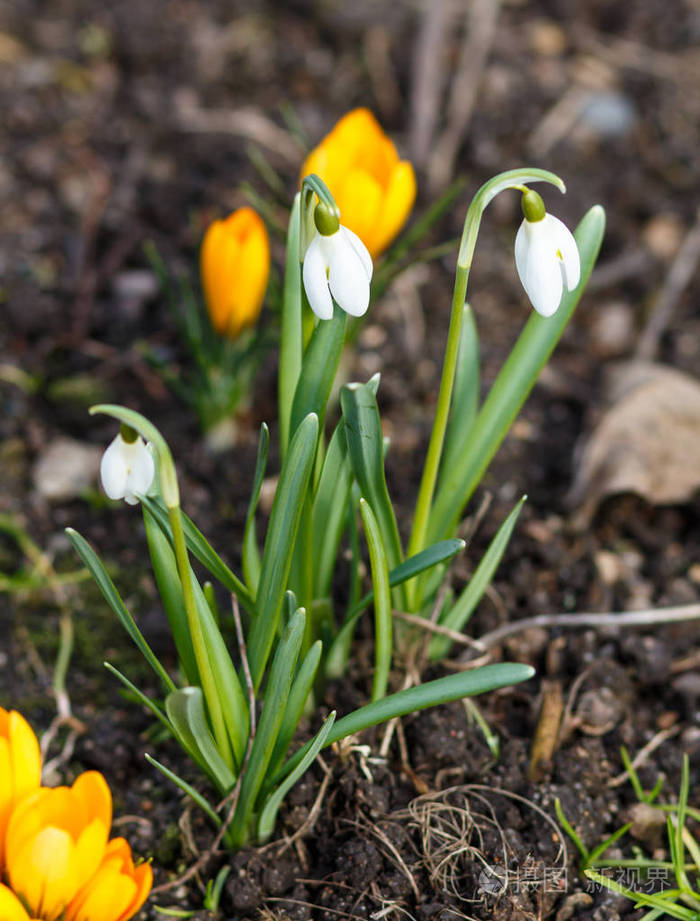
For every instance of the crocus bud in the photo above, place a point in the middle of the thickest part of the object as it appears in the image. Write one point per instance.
(127, 467)
(234, 267)
(546, 256)
(373, 189)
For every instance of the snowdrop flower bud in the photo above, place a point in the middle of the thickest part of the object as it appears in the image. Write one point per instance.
(546, 256)
(337, 266)
(127, 467)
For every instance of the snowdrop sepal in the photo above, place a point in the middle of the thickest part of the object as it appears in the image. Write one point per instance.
(337, 266)
(546, 256)
(127, 467)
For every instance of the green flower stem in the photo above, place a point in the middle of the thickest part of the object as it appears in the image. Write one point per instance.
(290, 351)
(508, 180)
(200, 650)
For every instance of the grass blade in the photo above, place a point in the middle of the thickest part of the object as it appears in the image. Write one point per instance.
(383, 624)
(185, 709)
(366, 448)
(268, 816)
(279, 544)
(198, 545)
(113, 599)
(441, 691)
(277, 690)
(251, 554)
(459, 613)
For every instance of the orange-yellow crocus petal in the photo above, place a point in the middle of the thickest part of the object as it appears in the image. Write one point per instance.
(360, 200)
(20, 767)
(116, 891)
(11, 909)
(398, 201)
(235, 267)
(373, 189)
(56, 839)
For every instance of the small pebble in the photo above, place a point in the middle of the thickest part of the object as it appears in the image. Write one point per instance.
(66, 469)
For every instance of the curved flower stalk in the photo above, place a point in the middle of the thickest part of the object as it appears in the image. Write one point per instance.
(337, 266)
(546, 256)
(59, 862)
(20, 767)
(235, 267)
(374, 190)
(127, 467)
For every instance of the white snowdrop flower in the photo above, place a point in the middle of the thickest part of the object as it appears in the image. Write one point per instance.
(546, 256)
(127, 467)
(337, 266)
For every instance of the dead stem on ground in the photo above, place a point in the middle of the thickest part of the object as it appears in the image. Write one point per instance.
(452, 834)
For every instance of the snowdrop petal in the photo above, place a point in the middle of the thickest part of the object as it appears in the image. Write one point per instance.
(543, 280)
(113, 470)
(348, 279)
(141, 471)
(127, 468)
(547, 259)
(568, 250)
(316, 280)
(359, 248)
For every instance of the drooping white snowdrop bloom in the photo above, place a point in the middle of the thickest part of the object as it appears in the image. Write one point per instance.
(337, 266)
(127, 467)
(546, 256)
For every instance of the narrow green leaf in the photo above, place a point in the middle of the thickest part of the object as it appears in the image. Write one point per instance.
(185, 709)
(202, 550)
(465, 396)
(291, 347)
(170, 591)
(383, 624)
(279, 544)
(277, 690)
(186, 788)
(441, 691)
(230, 696)
(510, 390)
(158, 713)
(413, 566)
(303, 682)
(268, 816)
(318, 370)
(141, 697)
(438, 553)
(365, 445)
(456, 617)
(330, 507)
(113, 599)
(330, 510)
(251, 554)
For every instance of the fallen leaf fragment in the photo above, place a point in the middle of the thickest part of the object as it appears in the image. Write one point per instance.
(647, 442)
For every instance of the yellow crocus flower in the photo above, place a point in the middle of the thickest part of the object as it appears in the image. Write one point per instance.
(234, 267)
(55, 842)
(20, 767)
(374, 190)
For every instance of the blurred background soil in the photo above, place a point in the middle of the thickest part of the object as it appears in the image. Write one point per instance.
(134, 121)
